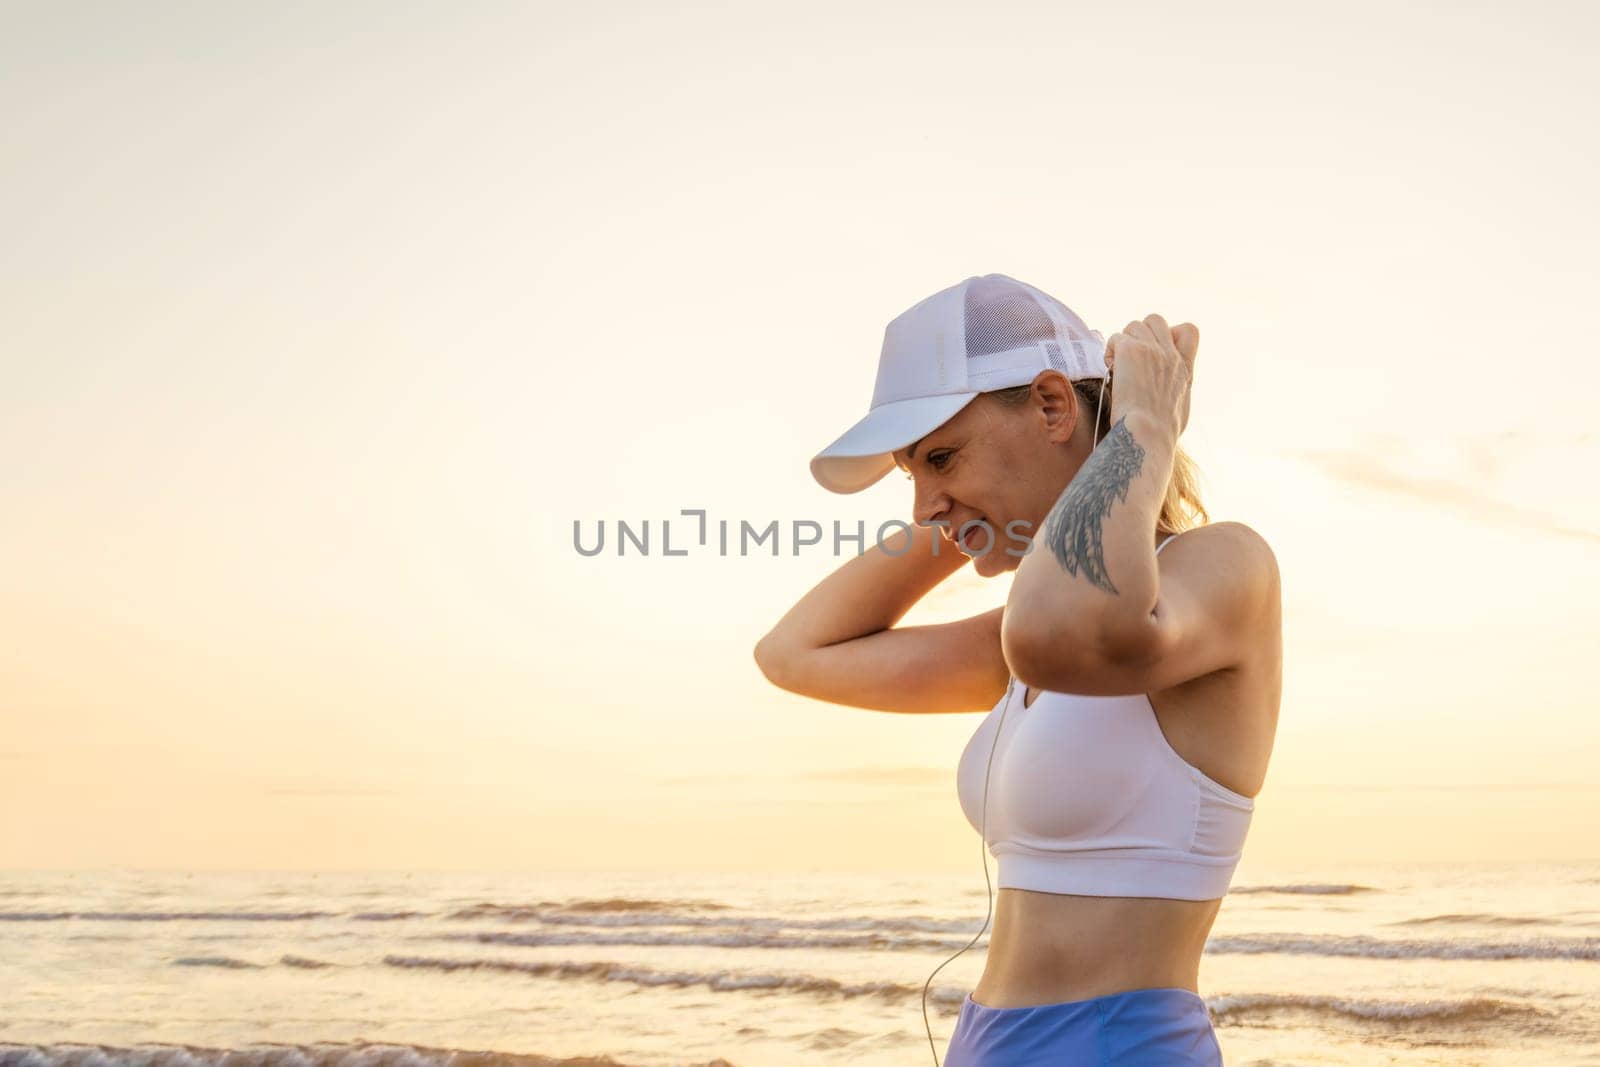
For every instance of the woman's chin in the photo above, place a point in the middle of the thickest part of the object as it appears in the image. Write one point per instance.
(992, 563)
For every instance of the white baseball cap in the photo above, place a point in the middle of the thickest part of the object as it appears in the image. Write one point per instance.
(988, 332)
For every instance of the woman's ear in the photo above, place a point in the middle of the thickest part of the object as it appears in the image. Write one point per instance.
(1058, 405)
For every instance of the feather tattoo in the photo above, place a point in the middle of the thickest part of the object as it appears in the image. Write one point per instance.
(1074, 529)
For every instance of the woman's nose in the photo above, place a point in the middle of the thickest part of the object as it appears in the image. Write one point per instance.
(927, 505)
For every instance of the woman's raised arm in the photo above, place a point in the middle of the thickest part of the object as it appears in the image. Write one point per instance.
(839, 643)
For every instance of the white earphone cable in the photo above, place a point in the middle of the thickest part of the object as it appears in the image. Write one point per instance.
(983, 819)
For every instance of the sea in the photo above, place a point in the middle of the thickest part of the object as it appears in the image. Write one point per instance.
(1399, 964)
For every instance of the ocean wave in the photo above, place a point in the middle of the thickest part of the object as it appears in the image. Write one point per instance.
(1584, 948)
(597, 914)
(1477, 918)
(1245, 1007)
(233, 963)
(859, 923)
(616, 904)
(322, 1054)
(716, 981)
(870, 942)
(305, 962)
(165, 916)
(1317, 888)
(584, 907)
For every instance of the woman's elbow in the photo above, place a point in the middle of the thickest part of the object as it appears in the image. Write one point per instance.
(773, 660)
(1018, 653)
(1036, 652)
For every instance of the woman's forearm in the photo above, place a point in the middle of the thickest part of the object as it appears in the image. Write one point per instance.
(868, 593)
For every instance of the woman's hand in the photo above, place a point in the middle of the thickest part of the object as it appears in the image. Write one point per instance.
(1152, 367)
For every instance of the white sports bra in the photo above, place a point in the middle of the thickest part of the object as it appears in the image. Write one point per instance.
(1086, 796)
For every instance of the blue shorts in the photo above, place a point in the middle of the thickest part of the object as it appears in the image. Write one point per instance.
(1162, 1027)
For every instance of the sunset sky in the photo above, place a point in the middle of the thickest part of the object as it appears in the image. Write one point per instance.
(320, 325)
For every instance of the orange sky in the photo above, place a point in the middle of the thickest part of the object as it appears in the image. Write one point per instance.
(321, 328)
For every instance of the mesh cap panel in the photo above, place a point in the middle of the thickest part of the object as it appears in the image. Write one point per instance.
(1001, 315)
(1013, 330)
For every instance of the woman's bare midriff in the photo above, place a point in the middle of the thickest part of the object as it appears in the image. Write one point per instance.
(1050, 947)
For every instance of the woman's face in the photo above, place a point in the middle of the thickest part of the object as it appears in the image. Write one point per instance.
(1000, 464)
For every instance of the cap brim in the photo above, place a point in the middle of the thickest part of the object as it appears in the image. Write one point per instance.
(862, 454)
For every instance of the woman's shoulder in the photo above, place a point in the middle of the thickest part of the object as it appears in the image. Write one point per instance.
(1229, 534)
(1233, 547)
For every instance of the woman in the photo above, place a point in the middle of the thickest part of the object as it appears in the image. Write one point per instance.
(1137, 658)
